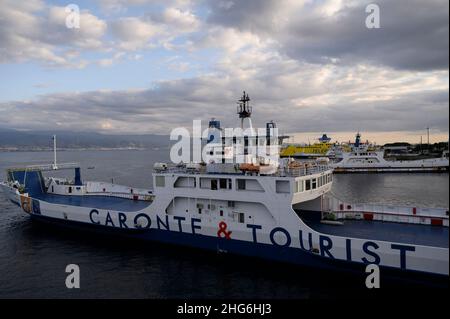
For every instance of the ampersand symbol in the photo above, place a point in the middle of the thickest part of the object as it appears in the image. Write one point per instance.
(223, 230)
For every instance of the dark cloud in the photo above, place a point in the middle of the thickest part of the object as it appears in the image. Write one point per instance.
(413, 35)
(177, 103)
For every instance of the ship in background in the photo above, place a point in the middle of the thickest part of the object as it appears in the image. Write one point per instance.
(319, 149)
(278, 210)
(364, 158)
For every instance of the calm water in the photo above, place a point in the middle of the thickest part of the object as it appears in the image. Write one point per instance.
(33, 257)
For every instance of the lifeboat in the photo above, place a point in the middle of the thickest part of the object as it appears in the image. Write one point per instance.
(248, 167)
(295, 164)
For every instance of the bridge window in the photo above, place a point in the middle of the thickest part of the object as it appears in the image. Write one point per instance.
(308, 184)
(241, 184)
(314, 183)
(299, 186)
(185, 182)
(225, 183)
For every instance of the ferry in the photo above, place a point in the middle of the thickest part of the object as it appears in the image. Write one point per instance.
(319, 149)
(279, 210)
(365, 159)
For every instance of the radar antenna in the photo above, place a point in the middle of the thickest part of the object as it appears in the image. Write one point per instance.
(244, 109)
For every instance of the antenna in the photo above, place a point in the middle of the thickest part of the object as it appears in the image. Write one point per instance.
(244, 109)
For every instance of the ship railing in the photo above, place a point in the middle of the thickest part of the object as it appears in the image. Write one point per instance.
(302, 171)
(45, 167)
(281, 172)
(134, 196)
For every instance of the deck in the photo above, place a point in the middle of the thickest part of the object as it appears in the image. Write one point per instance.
(426, 235)
(95, 201)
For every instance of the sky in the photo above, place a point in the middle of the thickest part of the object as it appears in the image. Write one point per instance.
(147, 66)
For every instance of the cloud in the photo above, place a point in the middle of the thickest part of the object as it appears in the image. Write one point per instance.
(134, 33)
(88, 36)
(309, 65)
(182, 19)
(120, 6)
(34, 31)
(413, 35)
(297, 95)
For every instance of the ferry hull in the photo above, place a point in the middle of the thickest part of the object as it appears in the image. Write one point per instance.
(263, 251)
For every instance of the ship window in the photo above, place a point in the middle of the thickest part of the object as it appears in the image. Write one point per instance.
(314, 183)
(223, 183)
(299, 186)
(221, 212)
(160, 181)
(308, 184)
(214, 184)
(241, 218)
(230, 203)
(241, 184)
(70, 189)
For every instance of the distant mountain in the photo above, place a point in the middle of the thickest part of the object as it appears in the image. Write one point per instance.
(40, 140)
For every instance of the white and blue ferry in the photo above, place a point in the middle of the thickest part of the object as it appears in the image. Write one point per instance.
(278, 211)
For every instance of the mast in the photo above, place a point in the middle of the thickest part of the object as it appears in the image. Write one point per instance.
(54, 152)
(357, 140)
(244, 109)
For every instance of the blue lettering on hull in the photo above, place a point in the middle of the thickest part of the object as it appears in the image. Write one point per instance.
(280, 238)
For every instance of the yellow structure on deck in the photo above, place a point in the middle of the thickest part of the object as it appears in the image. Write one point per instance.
(317, 149)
